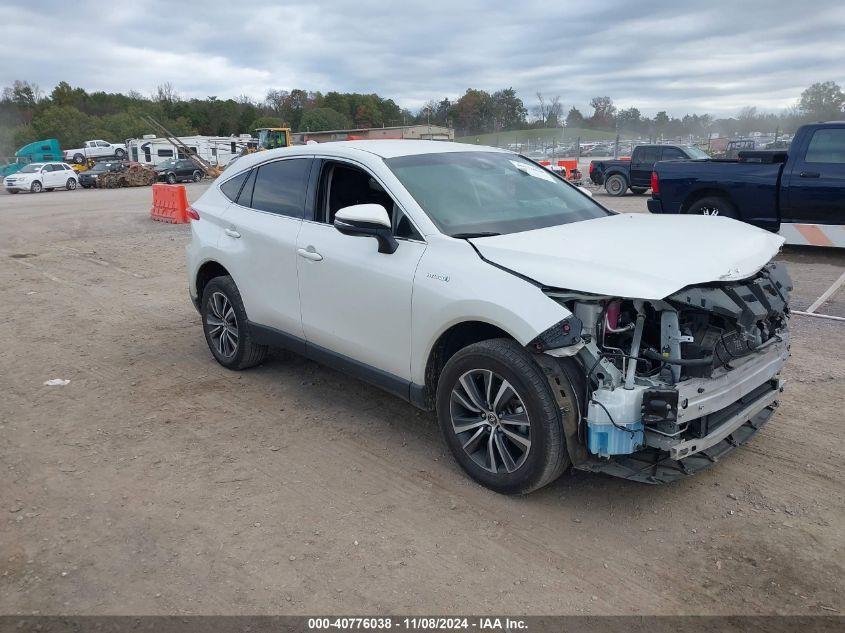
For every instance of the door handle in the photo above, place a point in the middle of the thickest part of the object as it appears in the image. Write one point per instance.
(809, 174)
(232, 233)
(309, 253)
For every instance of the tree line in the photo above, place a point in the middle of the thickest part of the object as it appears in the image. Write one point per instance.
(73, 115)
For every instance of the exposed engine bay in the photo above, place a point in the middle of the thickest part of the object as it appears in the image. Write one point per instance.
(681, 374)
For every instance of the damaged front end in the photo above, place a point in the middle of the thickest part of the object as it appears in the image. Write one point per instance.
(670, 385)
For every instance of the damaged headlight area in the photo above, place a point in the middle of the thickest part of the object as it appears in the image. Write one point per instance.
(680, 375)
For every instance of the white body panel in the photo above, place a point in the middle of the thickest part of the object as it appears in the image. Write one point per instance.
(216, 150)
(635, 255)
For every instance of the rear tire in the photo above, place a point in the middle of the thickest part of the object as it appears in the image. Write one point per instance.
(713, 206)
(71, 184)
(197, 176)
(226, 327)
(479, 442)
(119, 153)
(79, 159)
(616, 185)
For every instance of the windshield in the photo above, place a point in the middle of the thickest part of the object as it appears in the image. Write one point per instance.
(490, 193)
(32, 168)
(167, 164)
(695, 153)
(101, 167)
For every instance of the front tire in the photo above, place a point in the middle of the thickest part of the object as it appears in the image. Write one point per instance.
(119, 153)
(79, 159)
(226, 327)
(499, 418)
(36, 187)
(713, 206)
(171, 179)
(616, 185)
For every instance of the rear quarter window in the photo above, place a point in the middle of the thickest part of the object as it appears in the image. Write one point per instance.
(232, 187)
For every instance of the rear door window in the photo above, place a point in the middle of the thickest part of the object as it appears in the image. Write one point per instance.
(280, 187)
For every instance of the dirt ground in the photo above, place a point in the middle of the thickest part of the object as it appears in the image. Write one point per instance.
(157, 482)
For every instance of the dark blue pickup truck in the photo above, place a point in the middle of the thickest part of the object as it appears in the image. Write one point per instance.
(804, 185)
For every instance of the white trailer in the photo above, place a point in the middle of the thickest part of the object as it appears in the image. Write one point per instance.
(215, 150)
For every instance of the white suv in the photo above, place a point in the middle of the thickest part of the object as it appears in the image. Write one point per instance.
(544, 329)
(38, 177)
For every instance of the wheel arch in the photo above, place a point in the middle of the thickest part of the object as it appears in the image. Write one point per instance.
(208, 271)
(448, 343)
(706, 192)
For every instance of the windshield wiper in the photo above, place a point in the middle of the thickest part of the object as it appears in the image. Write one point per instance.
(466, 236)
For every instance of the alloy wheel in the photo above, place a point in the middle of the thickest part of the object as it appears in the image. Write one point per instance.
(709, 211)
(222, 325)
(491, 421)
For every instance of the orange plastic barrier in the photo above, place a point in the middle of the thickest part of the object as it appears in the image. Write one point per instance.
(170, 204)
(570, 165)
(544, 163)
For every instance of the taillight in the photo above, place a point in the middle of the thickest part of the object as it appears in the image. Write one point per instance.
(192, 213)
(592, 167)
(655, 184)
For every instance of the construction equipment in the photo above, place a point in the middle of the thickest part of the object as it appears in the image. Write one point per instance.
(207, 168)
(273, 137)
(37, 152)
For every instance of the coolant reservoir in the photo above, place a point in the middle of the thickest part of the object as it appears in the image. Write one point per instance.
(623, 405)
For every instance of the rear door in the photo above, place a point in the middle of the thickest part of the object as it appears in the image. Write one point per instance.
(259, 238)
(642, 162)
(815, 187)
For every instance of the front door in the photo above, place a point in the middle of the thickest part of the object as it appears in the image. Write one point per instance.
(817, 180)
(356, 302)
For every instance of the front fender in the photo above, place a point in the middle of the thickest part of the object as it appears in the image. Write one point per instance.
(470, 289)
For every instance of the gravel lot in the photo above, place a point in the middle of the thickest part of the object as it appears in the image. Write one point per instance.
(157, 482)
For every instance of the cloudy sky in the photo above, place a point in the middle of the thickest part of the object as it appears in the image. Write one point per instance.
(683, 55)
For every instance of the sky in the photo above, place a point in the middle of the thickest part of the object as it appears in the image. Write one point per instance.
(681, 56)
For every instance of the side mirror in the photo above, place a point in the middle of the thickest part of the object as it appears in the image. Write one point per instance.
(369, 220)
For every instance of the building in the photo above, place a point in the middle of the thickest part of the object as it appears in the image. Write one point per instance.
(216, 150)
(418, 132)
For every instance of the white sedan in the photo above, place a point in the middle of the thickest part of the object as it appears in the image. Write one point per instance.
(36, 177)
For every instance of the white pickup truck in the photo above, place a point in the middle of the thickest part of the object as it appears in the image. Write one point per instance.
(95, 149)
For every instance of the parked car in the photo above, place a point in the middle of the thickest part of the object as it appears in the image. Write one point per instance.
(544, 330)
(95, 149)
(178, 170)
(804, 185)
(36, 177)
(634, 173)
(90, 177)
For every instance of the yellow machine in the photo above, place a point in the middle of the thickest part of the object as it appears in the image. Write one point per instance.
(273, 137)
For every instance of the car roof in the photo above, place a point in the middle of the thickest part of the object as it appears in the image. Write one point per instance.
(387, 148)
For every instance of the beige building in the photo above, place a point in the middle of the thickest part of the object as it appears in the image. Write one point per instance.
(419, 132)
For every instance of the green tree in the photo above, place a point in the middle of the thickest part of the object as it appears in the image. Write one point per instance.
(320, 119)
(604, 113)
(822, 101)
(574, 118)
